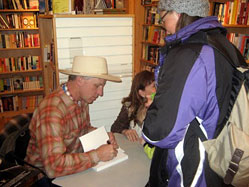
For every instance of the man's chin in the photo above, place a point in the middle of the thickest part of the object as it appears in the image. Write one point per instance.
(91, 101)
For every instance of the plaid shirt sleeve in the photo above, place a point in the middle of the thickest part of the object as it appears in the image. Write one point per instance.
(55, 145)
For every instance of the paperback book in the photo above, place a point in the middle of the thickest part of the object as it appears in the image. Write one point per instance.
(97, 138)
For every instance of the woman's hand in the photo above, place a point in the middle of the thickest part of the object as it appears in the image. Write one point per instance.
(131, 134)
(141, 141)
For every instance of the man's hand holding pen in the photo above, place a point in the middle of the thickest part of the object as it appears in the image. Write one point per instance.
(108, 151)
(112, 140)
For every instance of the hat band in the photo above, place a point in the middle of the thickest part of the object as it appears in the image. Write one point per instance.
(87, 73)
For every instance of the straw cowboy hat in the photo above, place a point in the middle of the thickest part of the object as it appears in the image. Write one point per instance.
(90, 66)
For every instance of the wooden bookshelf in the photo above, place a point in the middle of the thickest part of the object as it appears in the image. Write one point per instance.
(49, 50)
(16, 10)
(152, 37)
(20, 55)
(141, 25)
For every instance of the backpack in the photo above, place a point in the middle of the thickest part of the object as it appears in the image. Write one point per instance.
(228, 152)
(14, 138)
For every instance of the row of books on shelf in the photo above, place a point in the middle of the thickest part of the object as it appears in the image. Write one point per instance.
(21, 83)
(152, 16)
(19, 4)
(232, 12)
(148, 2)
(23, 63)
(154, 34)
(19, 40)
(15, 103)
(241, 41)
(151, 53)
(109, 7)
(110, 3)
(148, 67)
(18, 21)
(48, 53)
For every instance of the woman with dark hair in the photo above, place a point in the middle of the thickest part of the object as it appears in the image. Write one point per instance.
(194, 86)
(131, 116)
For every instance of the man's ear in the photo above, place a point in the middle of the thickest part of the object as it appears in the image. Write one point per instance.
(141, 93)
(80, 80)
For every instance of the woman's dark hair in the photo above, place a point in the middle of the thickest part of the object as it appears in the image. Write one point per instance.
(185, 20)
(140, 81)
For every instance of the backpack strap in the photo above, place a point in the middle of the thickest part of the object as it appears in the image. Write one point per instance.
(233, 166)
(218, 42)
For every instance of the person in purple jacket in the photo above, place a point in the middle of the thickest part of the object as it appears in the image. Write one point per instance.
(193, 86)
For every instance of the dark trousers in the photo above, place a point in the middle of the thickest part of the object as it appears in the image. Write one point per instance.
(45, 182)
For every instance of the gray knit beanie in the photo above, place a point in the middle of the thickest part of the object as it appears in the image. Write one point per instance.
(190, 7)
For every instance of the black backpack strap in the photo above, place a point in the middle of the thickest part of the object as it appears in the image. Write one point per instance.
(230, 52)
(212, 178)
(224, 47)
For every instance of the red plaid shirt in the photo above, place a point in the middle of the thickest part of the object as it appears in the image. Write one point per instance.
(55, 129)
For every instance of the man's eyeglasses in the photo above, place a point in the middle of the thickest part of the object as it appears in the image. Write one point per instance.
(161, 18)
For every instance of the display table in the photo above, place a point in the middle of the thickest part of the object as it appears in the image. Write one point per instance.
(132, 172)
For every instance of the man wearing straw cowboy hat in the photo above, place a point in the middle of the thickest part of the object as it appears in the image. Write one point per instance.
(63, 116)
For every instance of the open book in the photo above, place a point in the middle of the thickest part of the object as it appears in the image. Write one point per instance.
(97, 138)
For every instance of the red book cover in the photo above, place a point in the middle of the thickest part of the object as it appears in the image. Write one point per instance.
(108, 3)
(7, 64)
(113, 4)
(247, 12)
(36, 40)
(229, 36)
(33, 4)
(1, 65)
(29, 40)
(28, 102)
(13, 64)
(243, 44)
(240, 16)
(226, 19)
(26, 42)
(149, 18)
(156, 36)
(4, 65)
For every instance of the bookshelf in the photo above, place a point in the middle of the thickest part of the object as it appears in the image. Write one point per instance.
(234, 15)
(21, 69)
(49, 52)
(152, 38)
